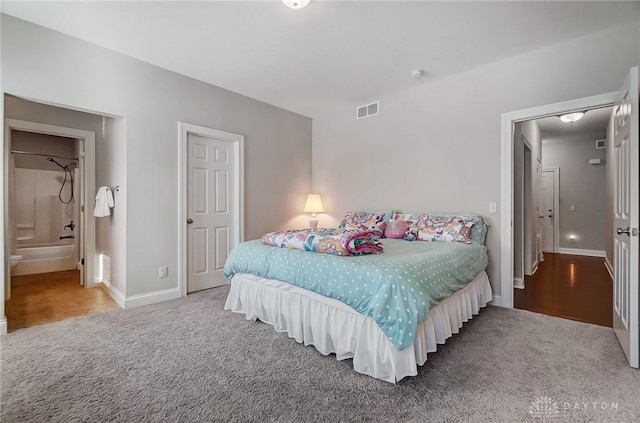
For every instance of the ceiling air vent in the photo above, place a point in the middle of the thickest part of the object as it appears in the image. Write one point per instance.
(367, 110)
(601, 144)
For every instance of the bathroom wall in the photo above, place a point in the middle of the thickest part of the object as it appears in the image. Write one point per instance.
(41, 144)
(38, 215)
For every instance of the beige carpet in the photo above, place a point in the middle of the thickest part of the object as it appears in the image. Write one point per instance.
(189, 361)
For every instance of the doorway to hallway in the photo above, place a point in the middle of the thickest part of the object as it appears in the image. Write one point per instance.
(569, 286)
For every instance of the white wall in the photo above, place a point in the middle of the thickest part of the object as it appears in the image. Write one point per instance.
(46, 65)
(583, 186)
(437, 146)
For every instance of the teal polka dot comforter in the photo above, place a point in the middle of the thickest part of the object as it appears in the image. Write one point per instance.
(396, 288)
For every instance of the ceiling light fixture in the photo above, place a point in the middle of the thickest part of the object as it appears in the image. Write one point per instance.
(296, 4)
(417, 73)
(571, 118)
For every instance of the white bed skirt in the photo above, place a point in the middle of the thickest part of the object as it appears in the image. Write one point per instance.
(333, 327)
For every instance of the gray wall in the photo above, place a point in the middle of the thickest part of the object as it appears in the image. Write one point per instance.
(111, 231)
(42, 64)
(583, 186)
(437, 146)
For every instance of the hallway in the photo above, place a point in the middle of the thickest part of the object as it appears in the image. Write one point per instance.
(50, 297)
(573, 287)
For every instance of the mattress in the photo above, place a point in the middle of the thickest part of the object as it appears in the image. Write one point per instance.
(333, 327)
(396, 288)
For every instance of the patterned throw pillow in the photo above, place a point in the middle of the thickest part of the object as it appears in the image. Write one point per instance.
(396, 229)
(411, 230)
(364, 221)
(444, 228)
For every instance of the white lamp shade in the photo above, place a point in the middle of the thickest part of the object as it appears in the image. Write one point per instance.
(313, 204)
(296, 4)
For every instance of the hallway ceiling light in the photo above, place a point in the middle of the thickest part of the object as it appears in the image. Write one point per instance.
(572, 117)
(296, 4)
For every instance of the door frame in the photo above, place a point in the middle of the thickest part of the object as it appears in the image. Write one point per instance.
(556, 206)
(184, 129)
(87, 140)
(527, 199)
(509, 120)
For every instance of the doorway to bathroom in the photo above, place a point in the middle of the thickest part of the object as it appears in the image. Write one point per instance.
(45, 198)
(49, 232)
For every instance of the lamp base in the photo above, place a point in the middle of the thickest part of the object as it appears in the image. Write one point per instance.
(313, 224)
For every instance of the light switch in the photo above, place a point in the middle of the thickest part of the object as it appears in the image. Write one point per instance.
(572, 208)
(493, 208)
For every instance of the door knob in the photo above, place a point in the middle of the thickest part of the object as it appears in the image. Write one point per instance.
(621, 231)
(189, 221)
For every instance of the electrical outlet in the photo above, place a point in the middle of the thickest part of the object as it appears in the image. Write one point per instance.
(493, 208)
(163, 272)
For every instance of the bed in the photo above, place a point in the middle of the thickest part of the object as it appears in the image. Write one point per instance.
(385, 311)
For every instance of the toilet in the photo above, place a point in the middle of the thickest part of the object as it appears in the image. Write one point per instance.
(15, 260)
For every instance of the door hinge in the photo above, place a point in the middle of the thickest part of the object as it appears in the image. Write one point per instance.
(82, 208)
(82, 262)
(634, 231)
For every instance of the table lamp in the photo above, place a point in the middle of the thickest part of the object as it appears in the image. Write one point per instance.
(313, 206)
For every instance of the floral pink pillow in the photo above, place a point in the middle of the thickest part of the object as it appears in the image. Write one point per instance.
(396, 229)
(364, 221)
(408, 223)
(444, 228)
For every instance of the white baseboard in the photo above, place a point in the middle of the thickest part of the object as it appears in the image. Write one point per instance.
(579, 252)
(151, 298)
(496, 301)
(609, 266)
(518, 283)
(114, 293)
(3, 326)
(535, 268)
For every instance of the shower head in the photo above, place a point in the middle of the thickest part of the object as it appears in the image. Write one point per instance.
(53, 160)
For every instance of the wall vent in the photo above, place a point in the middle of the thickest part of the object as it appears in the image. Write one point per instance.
(601, 144)
(367, 110)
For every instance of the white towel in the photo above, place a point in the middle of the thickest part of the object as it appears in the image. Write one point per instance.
(104, 202)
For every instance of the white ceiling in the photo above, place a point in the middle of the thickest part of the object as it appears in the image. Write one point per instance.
(330, 52)
(591, 127)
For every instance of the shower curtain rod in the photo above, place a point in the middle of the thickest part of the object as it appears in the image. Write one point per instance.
(43, 155)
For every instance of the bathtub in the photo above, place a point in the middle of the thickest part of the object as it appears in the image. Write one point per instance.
(43, 258)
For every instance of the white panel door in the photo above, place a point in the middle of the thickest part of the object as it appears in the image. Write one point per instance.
(210, 214)
(625, 215)
(548, 215)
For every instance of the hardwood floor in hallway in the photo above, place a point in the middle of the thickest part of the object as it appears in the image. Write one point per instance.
(50, 297)
(573, 287)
